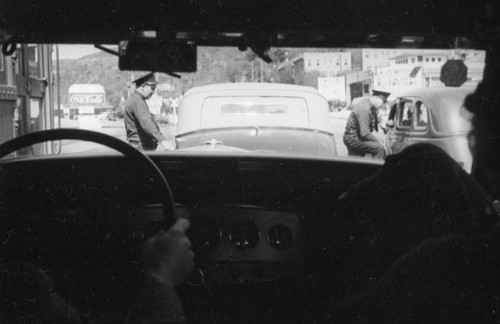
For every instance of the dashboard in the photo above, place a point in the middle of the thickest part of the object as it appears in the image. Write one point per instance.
(262, 228)
(246, 243)
(253, 219)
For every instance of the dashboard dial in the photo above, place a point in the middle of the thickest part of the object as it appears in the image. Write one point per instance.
(244, 235)
(280, 237)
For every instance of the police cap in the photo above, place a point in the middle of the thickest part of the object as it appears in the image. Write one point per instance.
(148, 78)
(382, 94)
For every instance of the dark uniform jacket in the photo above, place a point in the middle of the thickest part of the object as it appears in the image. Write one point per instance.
(139, 123)
(362, 121)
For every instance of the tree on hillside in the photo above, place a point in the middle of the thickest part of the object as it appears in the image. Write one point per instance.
(221, 65)
(279, 55)
(114, 99)
(100, 69)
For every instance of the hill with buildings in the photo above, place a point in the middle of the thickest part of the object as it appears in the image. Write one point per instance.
(215, 65)
(338, 74)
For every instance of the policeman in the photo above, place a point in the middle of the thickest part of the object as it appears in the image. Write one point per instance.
(362, 121)
(142, 131)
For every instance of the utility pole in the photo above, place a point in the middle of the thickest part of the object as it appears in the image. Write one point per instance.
(261, 71)
(129, 85)
(252, 78)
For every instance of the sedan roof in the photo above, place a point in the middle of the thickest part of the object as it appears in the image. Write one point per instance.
(253, 87)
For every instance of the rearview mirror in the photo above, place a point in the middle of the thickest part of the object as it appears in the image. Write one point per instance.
(157, 56)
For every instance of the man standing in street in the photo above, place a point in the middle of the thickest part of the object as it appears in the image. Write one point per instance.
(362, 121)
(142, 131)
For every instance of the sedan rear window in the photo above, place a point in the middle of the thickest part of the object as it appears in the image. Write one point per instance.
(280, 111)
(250, 108)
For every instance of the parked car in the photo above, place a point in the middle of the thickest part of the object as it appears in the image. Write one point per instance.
(108, 115)
(336, 105)
(432, 115)
(256, 117)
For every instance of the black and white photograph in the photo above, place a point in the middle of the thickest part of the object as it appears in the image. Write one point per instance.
(250, 161)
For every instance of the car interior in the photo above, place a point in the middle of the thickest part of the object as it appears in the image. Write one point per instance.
(278, 238)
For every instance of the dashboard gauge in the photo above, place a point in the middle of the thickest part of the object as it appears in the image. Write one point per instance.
(244, 235)
(280, 237)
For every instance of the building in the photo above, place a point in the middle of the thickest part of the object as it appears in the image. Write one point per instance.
(329, 64)
(358, 84)
(374, 58)
(347, 87)
(475, 67)
(335, 69)
(422, 69)
(333, 88)
(411, 70)
(26, 93)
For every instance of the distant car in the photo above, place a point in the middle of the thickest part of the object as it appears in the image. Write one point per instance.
(255, 117)
(335, 105)
(108, 115)
(432, 115)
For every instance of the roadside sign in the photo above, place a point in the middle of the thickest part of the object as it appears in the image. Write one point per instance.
(453, 73)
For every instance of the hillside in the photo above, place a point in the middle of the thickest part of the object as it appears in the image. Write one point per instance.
(101, 68)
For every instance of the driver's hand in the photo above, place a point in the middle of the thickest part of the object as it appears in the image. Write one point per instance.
(168, 256)
(168, 145)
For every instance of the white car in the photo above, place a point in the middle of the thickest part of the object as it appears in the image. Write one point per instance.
(257, 117)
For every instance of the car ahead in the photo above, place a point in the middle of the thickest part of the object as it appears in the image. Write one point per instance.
(432, 115)
(255, 117)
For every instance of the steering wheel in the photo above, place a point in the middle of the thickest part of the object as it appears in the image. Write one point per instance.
(130, 152)
(78, 272)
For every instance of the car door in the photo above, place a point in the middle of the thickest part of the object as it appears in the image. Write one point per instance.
(398, 135)
(419, 123)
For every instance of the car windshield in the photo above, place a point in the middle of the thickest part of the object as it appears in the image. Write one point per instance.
(246, 161)
(299, 104)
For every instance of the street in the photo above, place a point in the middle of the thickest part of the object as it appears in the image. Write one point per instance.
(113, 128)
(338, 120)
(117, 129)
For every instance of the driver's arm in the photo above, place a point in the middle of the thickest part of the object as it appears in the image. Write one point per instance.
(168, 259)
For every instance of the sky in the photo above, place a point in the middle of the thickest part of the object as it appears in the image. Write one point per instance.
(76, 51)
